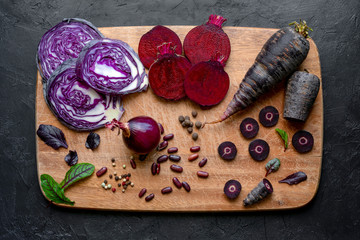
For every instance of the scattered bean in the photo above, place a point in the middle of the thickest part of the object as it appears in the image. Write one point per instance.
(181, 118)
(172, 150)
(193, 157)
(176, 168)
(198, 124)
(158, 168)
(101, 172)
(149, 197)
(190, 129)
(203, 162)
(166, 190)
(174, 158)
(186, 186)
(162, 145)
(203, 174)
(168, 137)
(162, 158)
(133, 163)
(154, 168)
(161, 128)
(195, 149)
(109, 186)
(177, 182)
(194, 113)
(195, 136)
(113, 190)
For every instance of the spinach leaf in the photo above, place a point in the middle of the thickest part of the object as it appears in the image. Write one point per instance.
(52, 136)
(272, 166)
(284, 137)
(53, 190)
(76, 173)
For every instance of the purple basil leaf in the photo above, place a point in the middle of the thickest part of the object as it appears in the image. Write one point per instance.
(72, 158)
(52, 136)
(92, 141)
(294, 178)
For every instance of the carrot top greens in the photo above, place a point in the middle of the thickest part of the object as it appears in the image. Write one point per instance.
(302, 28)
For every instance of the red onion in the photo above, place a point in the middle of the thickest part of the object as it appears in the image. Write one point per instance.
(140, 134)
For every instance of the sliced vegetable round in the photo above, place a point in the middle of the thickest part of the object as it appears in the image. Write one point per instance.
(75, 104)
(232, 189)
(152, 39)
(303, 141)
(259, 149)
(111, 67)
(167, 74)
(227, 150)
(63, 41)
(269, 116)
(249, 128)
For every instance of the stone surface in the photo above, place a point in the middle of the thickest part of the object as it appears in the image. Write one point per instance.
(333, 214)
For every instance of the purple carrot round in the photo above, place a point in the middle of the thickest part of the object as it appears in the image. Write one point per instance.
(280, 56)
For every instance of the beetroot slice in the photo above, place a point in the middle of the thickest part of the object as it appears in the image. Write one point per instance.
(202, 42)
(207, 83)
(152, 39)
(167, 74)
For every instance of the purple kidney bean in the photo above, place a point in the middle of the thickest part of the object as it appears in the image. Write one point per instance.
(175, 158)
(101, 172)
(186, 186)
(177, 182)
(172, 150)
(195, 149)
(193, 157)
(142, 192)
(133, 164)
(161, 128)
(149, 197)
(166, 190)
(176, 168)
(162, 158)
(162, 145)
(203, 162)
(154, 168)
(203, 174)
(157, 168)
(169, 136)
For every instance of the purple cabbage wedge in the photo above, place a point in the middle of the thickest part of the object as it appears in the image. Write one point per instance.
(63, 41)
(111, 67)
(75, 104)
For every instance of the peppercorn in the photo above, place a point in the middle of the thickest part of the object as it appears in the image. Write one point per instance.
(129, 174)
(123, 190)
(105, 181)
(113, 160)
(195, 136)
(110, 176)
(190, 129)
(181, 119)
(113, 164)
(194, 113)
(198, 124)
(132, 184)
(119, 184)
(124, 166)
(187, 118)
(117, 178)
(127, 178)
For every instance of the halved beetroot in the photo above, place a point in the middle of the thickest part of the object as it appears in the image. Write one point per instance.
(202, 42)
(167, 73)
(207, 83)
(152, 39)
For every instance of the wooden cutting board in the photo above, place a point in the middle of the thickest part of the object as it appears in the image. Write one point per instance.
(206, 194)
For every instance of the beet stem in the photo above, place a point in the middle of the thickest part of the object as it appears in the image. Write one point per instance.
(217, 20)
(166, 48)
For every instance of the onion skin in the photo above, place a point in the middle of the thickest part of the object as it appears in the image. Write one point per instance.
(140, 134)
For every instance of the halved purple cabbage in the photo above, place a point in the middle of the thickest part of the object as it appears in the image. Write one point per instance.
(111, 67)
(75, 104)
(63, 41)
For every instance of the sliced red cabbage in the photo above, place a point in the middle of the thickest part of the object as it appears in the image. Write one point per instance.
(63, 41)
(111, 67)
(75, 104)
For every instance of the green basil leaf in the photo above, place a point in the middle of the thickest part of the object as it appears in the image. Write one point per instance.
(76, 173)
(272, 166)
(53, 190)
(284, 136)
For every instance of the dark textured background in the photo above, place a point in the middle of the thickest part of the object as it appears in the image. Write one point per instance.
(333, 214)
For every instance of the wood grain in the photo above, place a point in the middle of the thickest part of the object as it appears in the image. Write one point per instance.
(206, 194)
